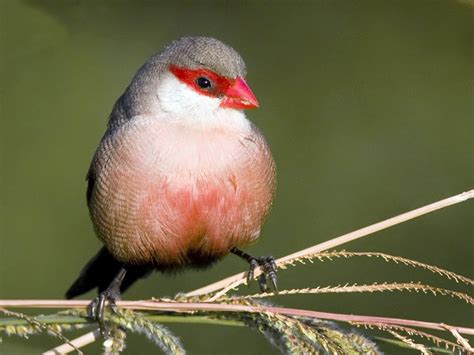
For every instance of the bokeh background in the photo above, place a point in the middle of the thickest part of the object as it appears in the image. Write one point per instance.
(367, 106)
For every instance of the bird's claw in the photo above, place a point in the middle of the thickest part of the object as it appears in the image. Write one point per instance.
(269, 268)
(95, 309)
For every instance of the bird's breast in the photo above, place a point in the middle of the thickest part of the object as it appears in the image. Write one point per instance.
(168, 194)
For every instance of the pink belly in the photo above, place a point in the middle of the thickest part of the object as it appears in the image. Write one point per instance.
(153, 203)
(207, 217)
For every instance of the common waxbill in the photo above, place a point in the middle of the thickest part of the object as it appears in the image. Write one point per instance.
(181, 177)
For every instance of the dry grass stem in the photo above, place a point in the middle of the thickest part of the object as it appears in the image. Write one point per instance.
(192, 307)
(323, 256)
(46, 327)
(440, 342)
(233, 281)
(420, 347)
(75, 344)
(460, 339)
(375, 287)
(288, 328)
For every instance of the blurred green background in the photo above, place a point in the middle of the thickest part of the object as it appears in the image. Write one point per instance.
(367, 105)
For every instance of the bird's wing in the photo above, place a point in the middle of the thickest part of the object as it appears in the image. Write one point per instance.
(90, 178)
(100, 271)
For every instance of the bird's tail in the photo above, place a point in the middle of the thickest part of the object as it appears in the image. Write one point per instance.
(100, 271)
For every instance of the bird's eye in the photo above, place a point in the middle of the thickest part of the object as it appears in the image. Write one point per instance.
(203, 83)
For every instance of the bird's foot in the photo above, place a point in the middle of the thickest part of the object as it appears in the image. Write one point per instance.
(269, 268)
(96, 309)
(268, 265)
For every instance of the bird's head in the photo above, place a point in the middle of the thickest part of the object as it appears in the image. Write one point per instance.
(193, 78)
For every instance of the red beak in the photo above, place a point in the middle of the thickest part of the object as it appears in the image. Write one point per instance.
(239, 96)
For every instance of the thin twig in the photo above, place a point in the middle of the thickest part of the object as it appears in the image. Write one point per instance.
(162, 318)
(401, 344)
(34, 322)
(220, 307)
(76, 343)
(238, 279)
(460, 339)
(420, 347)
(371, 288)
(330, 255)
(414, 332)
(90, 337)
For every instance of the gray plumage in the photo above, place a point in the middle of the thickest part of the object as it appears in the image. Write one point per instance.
(166, 196)
(189, 52)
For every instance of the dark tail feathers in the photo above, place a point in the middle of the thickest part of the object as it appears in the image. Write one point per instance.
(100, 271)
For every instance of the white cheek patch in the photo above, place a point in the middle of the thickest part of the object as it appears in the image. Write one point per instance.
(177, 101)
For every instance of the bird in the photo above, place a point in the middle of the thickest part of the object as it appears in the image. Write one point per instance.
(181, 178)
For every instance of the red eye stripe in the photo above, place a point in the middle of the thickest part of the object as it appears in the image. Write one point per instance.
(219, 84)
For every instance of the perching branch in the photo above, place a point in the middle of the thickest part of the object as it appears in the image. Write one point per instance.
(185, 307)
(370, 288)
(233, 281)
(74, 344)
(293, 328)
